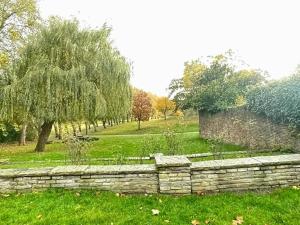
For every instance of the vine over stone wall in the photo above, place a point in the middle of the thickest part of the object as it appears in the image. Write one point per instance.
(241, 127)
(169, 175)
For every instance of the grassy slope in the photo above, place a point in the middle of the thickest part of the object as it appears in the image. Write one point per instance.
(91, 207)
(115, 142)
(155, 126)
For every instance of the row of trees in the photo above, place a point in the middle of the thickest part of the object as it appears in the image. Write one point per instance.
(146, 105)
(61, 74)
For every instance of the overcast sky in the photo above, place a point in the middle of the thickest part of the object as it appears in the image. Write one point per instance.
(158, 36)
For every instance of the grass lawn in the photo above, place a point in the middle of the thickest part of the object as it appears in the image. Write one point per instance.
(91, 207)
(189, 124)
(108, 146)
(118, 142)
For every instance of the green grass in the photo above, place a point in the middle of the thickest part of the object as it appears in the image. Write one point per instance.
(105, 208)
(155, 126)
(108, 146)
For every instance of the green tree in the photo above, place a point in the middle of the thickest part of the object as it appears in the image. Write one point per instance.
(217, 85)
(18, 18)
(64, 74)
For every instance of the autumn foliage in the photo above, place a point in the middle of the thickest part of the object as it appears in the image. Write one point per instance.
(164, 105)
(142, 107)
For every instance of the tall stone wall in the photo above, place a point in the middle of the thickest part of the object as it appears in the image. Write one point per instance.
(241, 127)
(170, 175)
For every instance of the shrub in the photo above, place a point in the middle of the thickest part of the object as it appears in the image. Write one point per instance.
(278, 100)
(77, 150)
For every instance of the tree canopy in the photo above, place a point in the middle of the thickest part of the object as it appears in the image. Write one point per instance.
(65, 73)
(278, 100)
(18, 18)
(213, 86)
(142, 107)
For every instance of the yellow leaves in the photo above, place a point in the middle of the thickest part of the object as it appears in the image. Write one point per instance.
(155, 212)
(195, 222)
(238, 220)
(3, 60)
(40, 216)
(164, 104)
(14, 34)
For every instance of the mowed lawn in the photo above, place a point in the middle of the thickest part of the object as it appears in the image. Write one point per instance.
(116, 142)
(105, 208)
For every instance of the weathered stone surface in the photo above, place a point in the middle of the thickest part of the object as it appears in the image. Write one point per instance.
(171, 161)
(173, 175)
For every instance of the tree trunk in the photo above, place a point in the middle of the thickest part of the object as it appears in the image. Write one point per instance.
(74, 129)
(95, 127)
(43, 136)
(60, 131)
(86, 128)
(139, 124)
(56, 131)
(104, 124)
(79, 127)
(22, 140)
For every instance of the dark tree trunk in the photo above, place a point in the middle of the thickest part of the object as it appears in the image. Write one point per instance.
(139, 124)
(74, 129)
(22, 140)
(104, 124)
(79, 127)
(43, 136)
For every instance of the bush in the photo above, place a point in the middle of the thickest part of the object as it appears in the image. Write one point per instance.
(8, 132)
(77, 150)
(278, 100)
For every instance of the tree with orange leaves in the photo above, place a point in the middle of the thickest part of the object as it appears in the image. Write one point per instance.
(142, 107)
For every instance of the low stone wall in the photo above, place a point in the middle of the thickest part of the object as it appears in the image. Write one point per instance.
(170, 175)
(256, 173)
(124, 178)
(241, 127)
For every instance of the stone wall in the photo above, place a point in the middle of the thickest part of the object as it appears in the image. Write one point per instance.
(123, 178)
(170, 175)
(241, 127)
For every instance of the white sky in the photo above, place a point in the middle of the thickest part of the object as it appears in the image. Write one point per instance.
(158, 36)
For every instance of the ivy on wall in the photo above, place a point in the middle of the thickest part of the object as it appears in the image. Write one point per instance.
(278, 100)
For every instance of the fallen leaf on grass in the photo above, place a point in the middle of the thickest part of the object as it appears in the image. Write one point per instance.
(167, 221)
(155, 212)
(238, 220)
(77, 194)
(39, 216)
(195, 222)
(207, 222)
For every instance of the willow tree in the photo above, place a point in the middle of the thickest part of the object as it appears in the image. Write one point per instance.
(61, 74)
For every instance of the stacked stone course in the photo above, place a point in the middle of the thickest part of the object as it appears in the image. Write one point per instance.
(169, 175)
